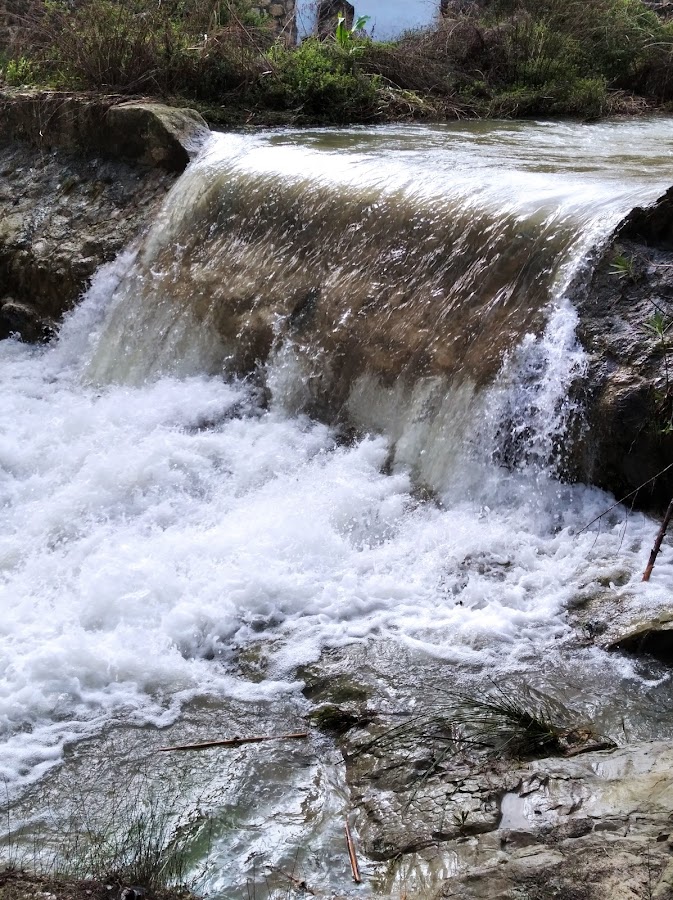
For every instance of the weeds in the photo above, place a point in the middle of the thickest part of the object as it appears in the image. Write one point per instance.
(464, 729)
(137, 831)
(623, 266)
(658, 327)
(513, 58)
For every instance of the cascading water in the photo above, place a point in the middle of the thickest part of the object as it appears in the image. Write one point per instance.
(211, 477)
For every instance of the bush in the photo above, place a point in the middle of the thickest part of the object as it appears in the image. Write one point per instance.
(19, 72)
(322, 81)
(532, 57)
(514, 57)
(199, 49)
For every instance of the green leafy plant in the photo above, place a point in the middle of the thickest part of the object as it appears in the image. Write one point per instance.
(347, 38)
(658, 325)
(20, 71)
(319, 80)
(622, 266)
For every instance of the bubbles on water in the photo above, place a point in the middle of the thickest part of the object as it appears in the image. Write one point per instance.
(151, 531)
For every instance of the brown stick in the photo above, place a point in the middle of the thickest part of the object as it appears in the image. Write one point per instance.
(657, 543)
(236, 742)
(352, 855)
(628, 497)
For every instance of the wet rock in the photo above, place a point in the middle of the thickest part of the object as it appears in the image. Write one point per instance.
(147, 134)
(625, 311)
(61, 216)
(590, 827)
(21, 319)
(156, 135)
(653, 637)
(664, 888)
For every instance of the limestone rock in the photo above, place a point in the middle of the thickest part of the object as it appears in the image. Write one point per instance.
(148, 134)
(156, 135)
(628, 387)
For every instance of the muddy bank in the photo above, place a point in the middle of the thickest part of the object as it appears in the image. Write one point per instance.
(80, 178)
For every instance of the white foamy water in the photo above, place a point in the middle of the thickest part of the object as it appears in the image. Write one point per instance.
(148, 533)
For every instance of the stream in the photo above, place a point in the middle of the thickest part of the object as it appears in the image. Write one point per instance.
(319, 416)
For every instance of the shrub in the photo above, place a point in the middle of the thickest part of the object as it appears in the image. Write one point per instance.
(198, 48)
(322, 81)
(513, 57)
(19, 71)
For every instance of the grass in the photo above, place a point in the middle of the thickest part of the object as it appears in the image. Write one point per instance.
(623, 266)
(511, 58)
(115, 829)
(512, 722)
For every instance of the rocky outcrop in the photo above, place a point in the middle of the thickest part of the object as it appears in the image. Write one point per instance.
(145, 134)
(626, 315)
(595, 827)
(78, 180)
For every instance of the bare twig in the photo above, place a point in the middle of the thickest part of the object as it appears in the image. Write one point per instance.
(236, 742)
(352, 855)
(657, 543)
(627, 497)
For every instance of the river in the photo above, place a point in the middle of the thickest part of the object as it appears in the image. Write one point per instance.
(320, 412)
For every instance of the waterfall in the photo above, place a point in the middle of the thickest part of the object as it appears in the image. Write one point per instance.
(409, 281)
(322, 404)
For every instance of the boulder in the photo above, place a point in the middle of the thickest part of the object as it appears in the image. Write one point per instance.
(153, 134)
(147, 134)
(652, 636)
(625, 313)
(23, 320)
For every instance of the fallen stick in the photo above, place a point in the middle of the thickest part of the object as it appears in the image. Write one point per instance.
(298, 882)
(352, 855)
(628, 497)
(236, 742)
(657, 543)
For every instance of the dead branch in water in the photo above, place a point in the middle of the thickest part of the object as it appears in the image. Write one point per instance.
(628, 497)
(658, 542)
(352, 855)
(236, 742)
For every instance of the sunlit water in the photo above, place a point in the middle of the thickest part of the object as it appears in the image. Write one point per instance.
(157, 525)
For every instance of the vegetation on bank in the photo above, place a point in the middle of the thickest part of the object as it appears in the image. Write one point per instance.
(510, 58)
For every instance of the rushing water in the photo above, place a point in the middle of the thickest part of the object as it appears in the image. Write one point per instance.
(179, 532)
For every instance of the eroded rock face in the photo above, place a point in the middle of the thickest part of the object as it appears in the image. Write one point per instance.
(595, 827)
(153, 134)
(147, 134)
(79, 179)
(625, 318)
(62, 216)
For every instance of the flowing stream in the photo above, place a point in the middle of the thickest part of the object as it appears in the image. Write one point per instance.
(322, 409)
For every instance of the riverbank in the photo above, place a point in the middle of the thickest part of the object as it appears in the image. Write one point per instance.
(496, 60)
